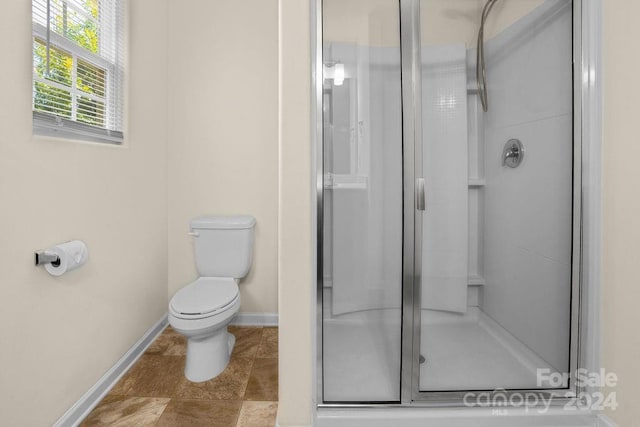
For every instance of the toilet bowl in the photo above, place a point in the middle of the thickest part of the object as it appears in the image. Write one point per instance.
(202, 310)
(201, 314)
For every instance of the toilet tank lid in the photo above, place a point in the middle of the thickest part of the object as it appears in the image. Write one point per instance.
(223, 222)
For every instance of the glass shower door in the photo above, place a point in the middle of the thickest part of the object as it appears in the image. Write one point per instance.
(362, 201)
(498, 258)
(450, 232)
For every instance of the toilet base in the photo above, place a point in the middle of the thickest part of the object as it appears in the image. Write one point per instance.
(208, 357)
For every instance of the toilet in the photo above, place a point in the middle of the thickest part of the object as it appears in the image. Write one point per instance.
(202, 310)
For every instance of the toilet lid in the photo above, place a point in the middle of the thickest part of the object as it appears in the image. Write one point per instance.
(205, 295)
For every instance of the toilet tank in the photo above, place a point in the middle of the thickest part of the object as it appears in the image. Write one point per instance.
(223, 245)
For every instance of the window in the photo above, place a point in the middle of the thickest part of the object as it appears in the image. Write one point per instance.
(78, 75)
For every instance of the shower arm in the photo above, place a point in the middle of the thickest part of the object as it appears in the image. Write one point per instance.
(481, 72)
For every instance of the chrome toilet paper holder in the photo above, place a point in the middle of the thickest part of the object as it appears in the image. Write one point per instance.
(42, 258)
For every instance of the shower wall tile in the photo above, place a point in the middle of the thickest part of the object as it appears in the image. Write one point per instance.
(445, 157)
(531, 205)
(529, 69)
(528, 210)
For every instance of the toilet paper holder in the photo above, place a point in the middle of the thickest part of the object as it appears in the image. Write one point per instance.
(43, 257)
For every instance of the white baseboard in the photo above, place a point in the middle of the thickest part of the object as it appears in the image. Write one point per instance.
(256, 319)
(91, 398)
(604, 421)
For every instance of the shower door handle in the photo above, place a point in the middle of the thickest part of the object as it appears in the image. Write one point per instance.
(420, 194)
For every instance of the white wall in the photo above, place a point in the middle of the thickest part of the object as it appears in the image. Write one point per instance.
(59, 335)
(528, 210)
(620, 290)
(363, 22)
(223, 134)
(295, 245)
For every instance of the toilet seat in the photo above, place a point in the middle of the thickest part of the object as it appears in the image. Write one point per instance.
(205, 297)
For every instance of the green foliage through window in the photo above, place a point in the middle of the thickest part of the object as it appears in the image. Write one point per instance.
(54, 89)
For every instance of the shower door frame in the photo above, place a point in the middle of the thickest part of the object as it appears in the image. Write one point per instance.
(586, 102)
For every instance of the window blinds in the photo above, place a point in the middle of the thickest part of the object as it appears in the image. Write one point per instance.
(78, 68)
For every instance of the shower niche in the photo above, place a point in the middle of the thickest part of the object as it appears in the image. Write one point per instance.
(478, 290)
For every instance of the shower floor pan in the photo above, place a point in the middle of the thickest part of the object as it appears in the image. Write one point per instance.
(361, 355)
(473, 352)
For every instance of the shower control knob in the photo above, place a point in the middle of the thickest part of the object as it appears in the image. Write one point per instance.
(513, 153)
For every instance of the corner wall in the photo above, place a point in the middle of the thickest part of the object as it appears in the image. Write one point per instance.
(60, 335)
(621, 210)
(223, 134)
(295, 245)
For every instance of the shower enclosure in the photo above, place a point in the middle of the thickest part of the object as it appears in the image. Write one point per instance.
(449, 237)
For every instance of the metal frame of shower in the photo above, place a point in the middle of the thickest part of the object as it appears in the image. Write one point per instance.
(584, 86)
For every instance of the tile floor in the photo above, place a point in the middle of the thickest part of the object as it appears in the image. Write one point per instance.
(156, 393)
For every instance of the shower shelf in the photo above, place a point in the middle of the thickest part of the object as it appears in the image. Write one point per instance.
(474, 182)
(476, 281)
(345, 182)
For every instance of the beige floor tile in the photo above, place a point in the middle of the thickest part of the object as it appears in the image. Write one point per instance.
(122, 386)
(156, 391)
(258, 414)
(121, 411)
(229, 385)
(263, 382)
(269, 344)
(155, 376)
(200, 413)
(169, 343)
(247, 341)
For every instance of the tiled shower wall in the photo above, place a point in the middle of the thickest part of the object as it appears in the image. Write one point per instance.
(528, 210)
